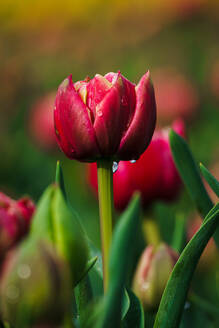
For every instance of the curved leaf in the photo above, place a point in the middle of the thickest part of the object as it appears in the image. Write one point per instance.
(60, 179)
(135, 315)
(189, 173)
(174, 296)
(121, 257)
(212, 181)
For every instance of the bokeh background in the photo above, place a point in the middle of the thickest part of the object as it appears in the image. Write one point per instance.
(42, 42)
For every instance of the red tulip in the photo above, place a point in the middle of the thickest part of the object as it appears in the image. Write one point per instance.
(105, 117)
(15, 217)
(154, 174)
(175, 96)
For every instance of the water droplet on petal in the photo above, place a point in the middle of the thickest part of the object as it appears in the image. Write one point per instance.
(72, 152)
(24, 271)
(133, 161)
(124, 101)
(115, 167)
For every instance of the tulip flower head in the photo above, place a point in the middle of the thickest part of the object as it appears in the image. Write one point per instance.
(107, 117)
(15, 217)
(154, 174)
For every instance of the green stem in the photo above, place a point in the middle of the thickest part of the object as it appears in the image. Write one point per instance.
(105, 193)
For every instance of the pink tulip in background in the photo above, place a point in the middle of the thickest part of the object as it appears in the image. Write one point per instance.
(41, 122)
(15, 218)
(175, 96)
(154, 174)
(106, 117)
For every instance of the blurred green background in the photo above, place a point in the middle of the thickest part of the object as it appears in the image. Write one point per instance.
(42, 42)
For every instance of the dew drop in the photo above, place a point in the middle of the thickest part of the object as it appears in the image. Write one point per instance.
(133, 161)
(124, 101)
(72, 152)
(24, 271)
(115, 167)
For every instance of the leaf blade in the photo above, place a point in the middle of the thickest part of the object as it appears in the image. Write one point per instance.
(212, 181)
(120, 258)
(174, 296)
(189, 173)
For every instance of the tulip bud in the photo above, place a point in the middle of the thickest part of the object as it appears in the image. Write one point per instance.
(105, 117)
(152, 273)
(57, 224)
(35, 287)
(154, 174)
(15, 217)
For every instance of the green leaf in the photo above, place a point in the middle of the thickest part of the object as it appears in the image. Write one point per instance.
(41, 227)
(174, 296)
(125, 303)
(135, 315)
(89, 266)
(69, 238)
(212, 181)
(121, 258)
(60, 179)
(83, 296)
(179, 233)
(189, 173)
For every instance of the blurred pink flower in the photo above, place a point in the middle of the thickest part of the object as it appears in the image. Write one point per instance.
(15, 218)
(41, 122)
(175, 96)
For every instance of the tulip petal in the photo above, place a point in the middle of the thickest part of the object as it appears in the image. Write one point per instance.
(97, 88)
(140, 131)
(74, 130)
(109, 121)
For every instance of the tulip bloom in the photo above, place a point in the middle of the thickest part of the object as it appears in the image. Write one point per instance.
(15, 218)
(107, 117)
(154, 174)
